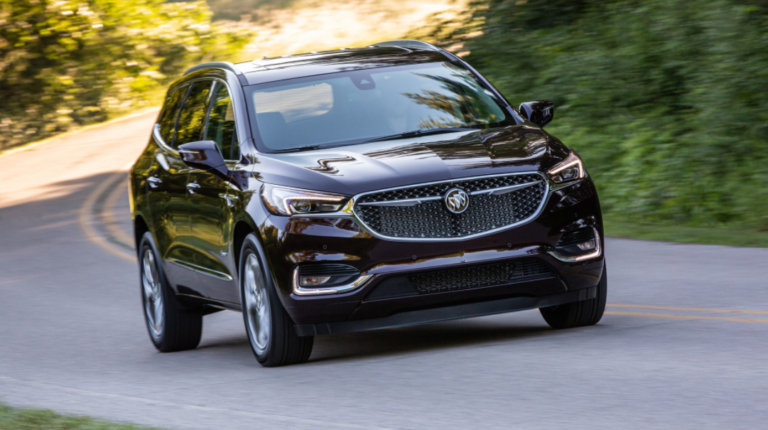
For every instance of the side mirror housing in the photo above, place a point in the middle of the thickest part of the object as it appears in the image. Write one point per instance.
(539, 112)
(204, 155)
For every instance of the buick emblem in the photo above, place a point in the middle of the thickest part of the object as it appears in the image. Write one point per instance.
(456, 200)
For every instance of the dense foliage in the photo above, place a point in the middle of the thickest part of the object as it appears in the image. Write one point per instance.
(667, 100)
(67, 63)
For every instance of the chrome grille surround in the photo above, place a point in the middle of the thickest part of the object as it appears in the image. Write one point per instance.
(416, 212)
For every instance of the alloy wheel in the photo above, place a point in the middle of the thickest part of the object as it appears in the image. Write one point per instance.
(153, 295)
(257, 307)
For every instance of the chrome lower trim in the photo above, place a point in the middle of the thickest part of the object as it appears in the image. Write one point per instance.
(300, 291)
(579, 258)
(200, 269)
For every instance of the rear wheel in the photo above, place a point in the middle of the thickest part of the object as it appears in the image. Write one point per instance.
(170, 326)
(270, 329)
(581, 313)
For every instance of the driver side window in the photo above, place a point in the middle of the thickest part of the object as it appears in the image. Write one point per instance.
(192, 114)
(221, 124)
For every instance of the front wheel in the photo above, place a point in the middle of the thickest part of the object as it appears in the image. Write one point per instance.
(581, 313)
(270, 329)
(171, 327)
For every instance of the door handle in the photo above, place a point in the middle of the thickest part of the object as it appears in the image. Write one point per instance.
(154, 181)
(230, 198)
(192, 187)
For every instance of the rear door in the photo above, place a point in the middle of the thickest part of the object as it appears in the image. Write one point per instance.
(213, 199)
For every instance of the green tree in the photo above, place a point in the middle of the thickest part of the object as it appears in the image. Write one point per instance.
(68, 63)
(667, 100)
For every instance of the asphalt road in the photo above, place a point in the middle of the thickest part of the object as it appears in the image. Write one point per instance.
(684, 343)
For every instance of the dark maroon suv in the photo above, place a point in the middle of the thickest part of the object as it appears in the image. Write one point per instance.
(358, 189)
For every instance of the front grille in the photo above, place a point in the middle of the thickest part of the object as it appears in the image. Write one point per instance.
(431, 219)
(486, 275)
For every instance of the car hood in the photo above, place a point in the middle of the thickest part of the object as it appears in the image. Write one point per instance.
(359, 168)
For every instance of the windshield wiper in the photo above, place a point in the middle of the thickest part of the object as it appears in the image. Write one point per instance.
(299, 149)
(418, 133)
(405, 135)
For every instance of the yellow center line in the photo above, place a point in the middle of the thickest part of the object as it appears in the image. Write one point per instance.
(86, 220)
(674, 308)
(686, 317)
(110, 216)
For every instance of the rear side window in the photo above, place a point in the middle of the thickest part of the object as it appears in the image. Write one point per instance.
(170, 112)
(192, 114)
(221, 124)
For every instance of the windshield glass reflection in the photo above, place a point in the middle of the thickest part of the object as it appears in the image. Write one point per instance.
(351, 107)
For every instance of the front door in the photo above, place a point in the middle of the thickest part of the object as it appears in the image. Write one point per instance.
(180, 254)
(166, 192)
(211, 200)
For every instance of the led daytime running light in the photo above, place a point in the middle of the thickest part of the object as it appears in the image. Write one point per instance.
(283, 200)
(572, 160)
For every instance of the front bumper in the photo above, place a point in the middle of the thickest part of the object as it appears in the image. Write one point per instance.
(290, 242)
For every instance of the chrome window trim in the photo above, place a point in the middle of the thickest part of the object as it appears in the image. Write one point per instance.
(349, 212)
(579, 258)
(160, 141)
(339, 289)
(156, 130)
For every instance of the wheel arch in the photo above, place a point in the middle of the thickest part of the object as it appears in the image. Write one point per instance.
(240, 232)
(140, 227)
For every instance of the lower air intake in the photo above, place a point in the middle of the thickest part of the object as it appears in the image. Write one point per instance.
(486, 275)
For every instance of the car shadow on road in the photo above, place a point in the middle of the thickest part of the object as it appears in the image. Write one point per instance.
(476, 332)
(424, 338)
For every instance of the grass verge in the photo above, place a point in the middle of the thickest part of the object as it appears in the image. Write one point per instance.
(37, 419)
(720, 235)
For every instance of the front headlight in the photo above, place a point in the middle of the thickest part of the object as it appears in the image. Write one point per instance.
(570, 169)
(288, 201)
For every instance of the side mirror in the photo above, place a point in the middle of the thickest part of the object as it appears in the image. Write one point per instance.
(204, 155)
(538, 112)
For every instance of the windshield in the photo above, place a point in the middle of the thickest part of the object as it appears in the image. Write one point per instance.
(353, 107)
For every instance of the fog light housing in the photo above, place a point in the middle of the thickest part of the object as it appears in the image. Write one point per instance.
(313, 281)
(327, 278)
(587, 246)
(579, 245)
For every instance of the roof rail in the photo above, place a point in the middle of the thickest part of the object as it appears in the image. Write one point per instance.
(406, 43)
(215, 65)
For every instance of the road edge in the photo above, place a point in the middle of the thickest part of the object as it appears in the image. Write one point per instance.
(32, 145)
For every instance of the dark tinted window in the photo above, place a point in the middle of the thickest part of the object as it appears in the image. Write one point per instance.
(170, 112)
(221, 124)
(190, 125)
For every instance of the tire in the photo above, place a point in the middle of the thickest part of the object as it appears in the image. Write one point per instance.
(270, 330)
(579, 314)
(170, 326)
